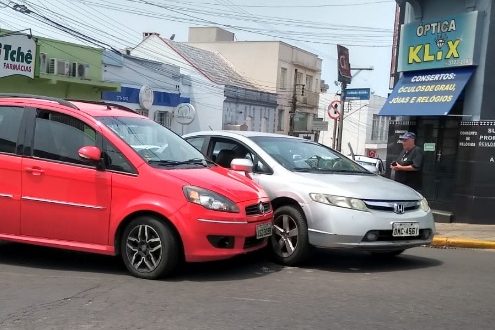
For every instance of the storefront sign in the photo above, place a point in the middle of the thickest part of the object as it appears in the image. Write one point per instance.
(429, 146)
(477, 141)
(319, 125)
(134, 95)
(357, 94)
(17, 55)
(426, 93)
(184, 113)
(146, 97)
(440, 43)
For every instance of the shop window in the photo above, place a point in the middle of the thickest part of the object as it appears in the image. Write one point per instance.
(164, 118)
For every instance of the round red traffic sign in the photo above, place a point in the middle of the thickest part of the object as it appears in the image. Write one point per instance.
(372, 153)
(334, 110)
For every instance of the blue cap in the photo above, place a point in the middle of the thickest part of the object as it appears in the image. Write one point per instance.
(407, 136)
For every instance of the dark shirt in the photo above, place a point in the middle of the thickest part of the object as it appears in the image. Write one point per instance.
(412, 157)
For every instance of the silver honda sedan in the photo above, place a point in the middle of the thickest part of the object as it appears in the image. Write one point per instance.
(322, 198)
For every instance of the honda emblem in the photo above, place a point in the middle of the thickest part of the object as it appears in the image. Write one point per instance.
(399, 208)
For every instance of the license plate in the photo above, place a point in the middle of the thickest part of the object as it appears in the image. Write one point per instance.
(402, 229)
(263, 230)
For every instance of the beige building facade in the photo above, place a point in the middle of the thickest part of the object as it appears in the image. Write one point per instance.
(274, 66)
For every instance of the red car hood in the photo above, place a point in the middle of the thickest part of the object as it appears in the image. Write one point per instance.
(237, 187)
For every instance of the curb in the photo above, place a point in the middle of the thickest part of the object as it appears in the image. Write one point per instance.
(442, 241)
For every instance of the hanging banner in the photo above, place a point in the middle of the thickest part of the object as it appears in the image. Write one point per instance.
(17, 55)
(343, 65)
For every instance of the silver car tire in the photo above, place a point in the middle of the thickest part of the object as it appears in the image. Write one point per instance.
(289, 241)
(149, 248)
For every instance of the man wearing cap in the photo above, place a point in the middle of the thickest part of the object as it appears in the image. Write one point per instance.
(409, 163)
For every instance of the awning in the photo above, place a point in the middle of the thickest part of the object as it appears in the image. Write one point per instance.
(427, 93)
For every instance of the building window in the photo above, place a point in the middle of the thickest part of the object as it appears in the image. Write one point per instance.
(379, 129)
(164, 118)
(280, 119)
(375, 127)
(309, 83)
(283, 78)
(301, 121)
(299, 78)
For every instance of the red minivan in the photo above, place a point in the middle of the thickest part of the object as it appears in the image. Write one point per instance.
(97, 177)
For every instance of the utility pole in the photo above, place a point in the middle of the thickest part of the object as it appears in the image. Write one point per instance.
(292, 111)
(343, 86)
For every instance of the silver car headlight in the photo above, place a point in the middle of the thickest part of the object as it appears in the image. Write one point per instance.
(340, 201)
(423, 205)
(209, 199)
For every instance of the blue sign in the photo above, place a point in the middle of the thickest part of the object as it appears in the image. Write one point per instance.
(131, 95)
(426, 93)
(438, 43)
(357, 94)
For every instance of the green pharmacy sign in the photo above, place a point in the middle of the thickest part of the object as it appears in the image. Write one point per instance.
(440, 43)
(17, 55)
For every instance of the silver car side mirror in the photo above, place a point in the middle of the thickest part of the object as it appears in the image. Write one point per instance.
(242, 165)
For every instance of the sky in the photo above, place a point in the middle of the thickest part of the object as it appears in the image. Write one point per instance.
(364, 26)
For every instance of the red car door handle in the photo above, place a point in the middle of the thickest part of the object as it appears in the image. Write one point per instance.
(35, 170)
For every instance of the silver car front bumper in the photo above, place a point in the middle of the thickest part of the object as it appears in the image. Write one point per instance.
(336, 227)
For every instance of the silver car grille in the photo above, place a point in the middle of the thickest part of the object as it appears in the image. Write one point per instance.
(392, 206)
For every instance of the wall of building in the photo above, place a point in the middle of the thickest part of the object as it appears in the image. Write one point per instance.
(206, 96)
(262, 63)
(256, 61)
(255, 109)
(460, 168)
(133, 73)
(57, 85)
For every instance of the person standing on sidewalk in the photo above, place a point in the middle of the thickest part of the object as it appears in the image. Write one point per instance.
(409, 164)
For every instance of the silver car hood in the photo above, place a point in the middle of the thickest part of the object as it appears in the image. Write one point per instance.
(370, 187)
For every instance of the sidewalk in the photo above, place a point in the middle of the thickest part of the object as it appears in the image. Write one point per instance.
(464, 235)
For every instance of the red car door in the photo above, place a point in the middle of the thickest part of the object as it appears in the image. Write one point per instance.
(63, 196)
(10, 169)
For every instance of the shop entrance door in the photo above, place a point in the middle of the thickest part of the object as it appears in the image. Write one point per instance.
(438, 137)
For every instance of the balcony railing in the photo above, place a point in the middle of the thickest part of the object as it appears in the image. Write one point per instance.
(309, 99)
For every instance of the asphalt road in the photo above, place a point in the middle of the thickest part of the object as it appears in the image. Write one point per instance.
(425, 288)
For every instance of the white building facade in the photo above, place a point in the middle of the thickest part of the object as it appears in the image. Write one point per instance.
(364, 130)
(274, 66)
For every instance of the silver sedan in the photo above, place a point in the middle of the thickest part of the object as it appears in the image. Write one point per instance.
(322, 198)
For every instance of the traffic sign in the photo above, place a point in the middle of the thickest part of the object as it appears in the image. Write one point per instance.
(371, 153)
(334, 110)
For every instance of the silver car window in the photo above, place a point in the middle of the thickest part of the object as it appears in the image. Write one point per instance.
(305, 156)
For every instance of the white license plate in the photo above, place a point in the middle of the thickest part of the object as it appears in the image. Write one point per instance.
(263, 230)
(402, 229)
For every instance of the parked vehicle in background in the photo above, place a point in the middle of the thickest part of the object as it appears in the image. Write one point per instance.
(321, 198)
(374, 165)
(97, 177)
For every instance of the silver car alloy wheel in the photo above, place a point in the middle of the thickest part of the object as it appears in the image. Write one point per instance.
(285, 234)
(144, 248)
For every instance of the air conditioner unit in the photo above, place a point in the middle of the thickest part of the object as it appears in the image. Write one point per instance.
(83, 70)
(73, 69)
(60, 67)
(43, 63)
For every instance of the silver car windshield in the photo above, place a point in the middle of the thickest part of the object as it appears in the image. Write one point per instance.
(305, 156)
(155, 143)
